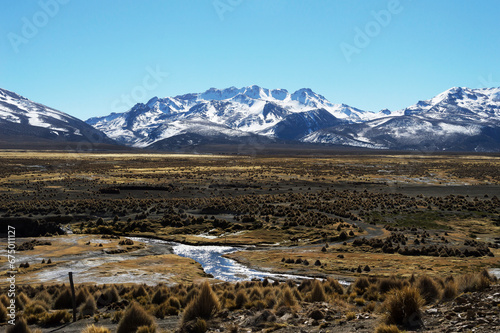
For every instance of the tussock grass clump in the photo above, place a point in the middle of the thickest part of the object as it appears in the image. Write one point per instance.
(95, 329)
(44, 297)
(336, 286)
(372, 293)
(55, 318)
(403, 307)
(33, 311)
(159, 297)
(241, 299)
(428, 288)
(140, 291)
(190, 296)
(196, 326)
(81, 296)
(383, 328)
(146, 329)
(89, 308)
(165, 309)
(473, 282)
(359, 301)
(287, 298)
(3, 313)
(133, 318)
(256, 294)
(204, 306)
(450, 291)
(22, 300)
(387, 284)
(317, 293)
(20, 327)
(174, 302)
(361, 284)
(4, 300)
(111, 295)
(64, 300)
(117, 316)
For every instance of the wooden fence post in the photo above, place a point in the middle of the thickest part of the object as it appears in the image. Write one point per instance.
(72, 294)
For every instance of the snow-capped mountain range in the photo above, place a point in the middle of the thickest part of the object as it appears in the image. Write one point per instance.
(458, 119)
(25, 120)
(232, 111)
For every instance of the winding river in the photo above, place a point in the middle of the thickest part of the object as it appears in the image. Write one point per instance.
(211, 259)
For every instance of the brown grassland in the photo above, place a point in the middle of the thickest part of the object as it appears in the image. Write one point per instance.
(406, 230)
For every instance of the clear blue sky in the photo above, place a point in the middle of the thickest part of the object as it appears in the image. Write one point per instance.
(88, 54)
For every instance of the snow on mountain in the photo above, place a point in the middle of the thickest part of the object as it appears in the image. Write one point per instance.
(253, 109)
(458, 119)
(25, 119)
(461, 104)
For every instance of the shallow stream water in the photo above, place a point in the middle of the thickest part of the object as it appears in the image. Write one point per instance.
(86, 266)
(211, 259)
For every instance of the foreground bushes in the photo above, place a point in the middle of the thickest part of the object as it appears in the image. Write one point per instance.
(204, 306)
(135, 317)
(133, 307)
(403, 307)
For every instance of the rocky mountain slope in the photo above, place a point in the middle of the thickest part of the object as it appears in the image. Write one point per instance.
(24, 123)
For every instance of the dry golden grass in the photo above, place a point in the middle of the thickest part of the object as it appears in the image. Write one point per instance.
(3, 313)
(133, 318)
(404, 307)
(20, 327)
(383, 328)
(89, 308)
(204, 306)
(95, 329)
(317, 293)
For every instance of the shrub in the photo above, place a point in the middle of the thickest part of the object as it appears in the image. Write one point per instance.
(317, 293)
(44, 297)
(361, 283)
(427, 288)
(383, 328)
(133, 318)
(473, 282)
(146, 329)
(20, 327)
(117, 316)
(196, 326)
(387, 284)
(174, 302)
(159, 297)
(35, 308)
(350, 315)
(372, 293)
(241, 299)
(95, 329)
(3, 313)
(64, 300)
(110, 296)
(336, 286)
(22, 300)
(403, 307)
(204, 306)
(55, 318)
(450, 291)
(140, 291)
(81, 296)
(286, 298)
(359, 301)
(4, 300)
(89, 307)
